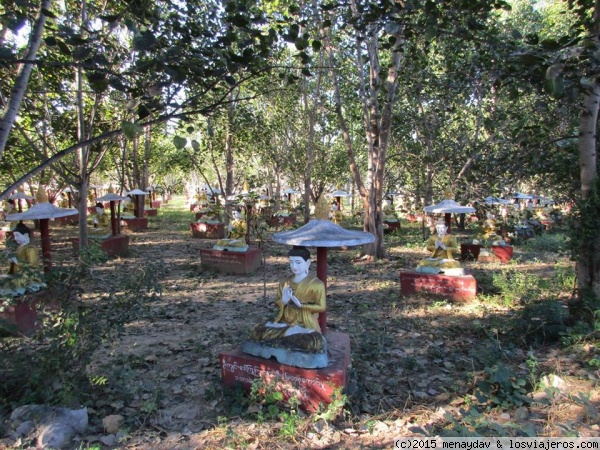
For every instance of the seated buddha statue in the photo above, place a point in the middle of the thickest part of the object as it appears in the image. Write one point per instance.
(100, 221)
(237, 226)
(128, 207)
(201, 201)
(442, 247)
(23, 273)
(336, 214)
(389, 213)
(300, 298)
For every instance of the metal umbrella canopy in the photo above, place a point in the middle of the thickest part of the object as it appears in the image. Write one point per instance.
(43, 211)
(448, 207)
(112, 198)
(18, 196)
(491, 200)
(322, 233)
(139, 202)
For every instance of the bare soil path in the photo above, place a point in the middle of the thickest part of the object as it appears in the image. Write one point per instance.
(416, 361)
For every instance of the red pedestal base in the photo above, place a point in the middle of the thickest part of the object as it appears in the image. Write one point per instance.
(208, 230)
(282, 221)
(503, 252)
(24, 314)
(391, 226)
(456, 288)
(67, 220)
(113, 246)
(136, 224)
(311, 386)
(155, 204)
(469, 252)
(231, 262)
(150, 212)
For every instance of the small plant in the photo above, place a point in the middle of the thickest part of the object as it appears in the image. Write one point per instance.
(502, 388)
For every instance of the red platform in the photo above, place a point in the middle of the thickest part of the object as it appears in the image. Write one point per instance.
(311, 386)
(469, 252)
(150, 212)
(282, 221)
(457, 288)
(208, 230)
(231, 262)
(136, 223)
(155, 204)
(24, 313)
(113, 246)
(503, 252)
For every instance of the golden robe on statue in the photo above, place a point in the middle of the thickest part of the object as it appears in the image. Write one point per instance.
(311, 292)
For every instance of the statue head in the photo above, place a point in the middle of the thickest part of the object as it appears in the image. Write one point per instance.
(99, 208)
(299, 260)
(441, 228)
(22, 234)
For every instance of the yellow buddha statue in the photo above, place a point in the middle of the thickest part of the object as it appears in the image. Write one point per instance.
(128, 207)
(23, 272)
(237, 226)
(300, 299)
(336, 214)
(442, 247)
(101, 228)
(389, 213)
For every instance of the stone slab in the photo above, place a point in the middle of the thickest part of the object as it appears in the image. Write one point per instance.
(136, 223)
(287, 357)
(311, 386)
(458, 288)
(207, 230)
(231, 262)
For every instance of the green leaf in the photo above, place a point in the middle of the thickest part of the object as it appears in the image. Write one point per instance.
(189, 130)
(179, 142)
(195, 145)
(549, 44)
(554, 86)
(316, 45)
(48, 13)
(131, 129)
(301, 43)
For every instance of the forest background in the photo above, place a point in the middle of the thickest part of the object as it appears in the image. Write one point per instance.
(489, 97)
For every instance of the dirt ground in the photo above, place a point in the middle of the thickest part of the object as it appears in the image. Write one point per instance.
(415, 361)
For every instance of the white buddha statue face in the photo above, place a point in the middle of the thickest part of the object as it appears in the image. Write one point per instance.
(441, 229)
(99, 210)
(236, 215)
(299, 265)
(21, 238)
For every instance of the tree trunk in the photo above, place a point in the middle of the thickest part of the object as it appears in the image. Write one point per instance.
(20, 86)
(588, 263)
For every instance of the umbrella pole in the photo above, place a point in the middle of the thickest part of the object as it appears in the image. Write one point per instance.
(322, 275)
(45, 238)
(113, 219)
(448, 222)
